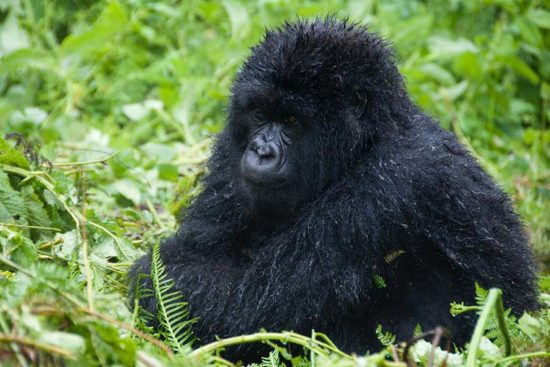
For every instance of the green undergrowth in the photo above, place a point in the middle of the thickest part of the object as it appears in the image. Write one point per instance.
(107, 112)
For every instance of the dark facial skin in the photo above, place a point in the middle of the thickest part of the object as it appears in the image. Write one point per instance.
(282, 137)
(269, 167)
(265, 162)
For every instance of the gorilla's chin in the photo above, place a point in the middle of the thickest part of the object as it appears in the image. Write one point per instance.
(269, 200)
(255, 175)
(261, 182)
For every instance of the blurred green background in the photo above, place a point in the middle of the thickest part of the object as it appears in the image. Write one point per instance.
(115, 103)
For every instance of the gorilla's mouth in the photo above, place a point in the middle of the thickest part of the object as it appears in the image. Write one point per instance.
(257, 173)
(262, 180)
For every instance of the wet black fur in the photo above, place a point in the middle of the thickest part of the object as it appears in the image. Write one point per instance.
(374, 175)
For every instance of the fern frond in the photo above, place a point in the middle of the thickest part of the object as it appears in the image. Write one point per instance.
(481, 295)
(393, 255)
(492, 328)
(141, 318)
(272, 360)
(172, 310)
(458, 308)
(379, 281)
(385, 338)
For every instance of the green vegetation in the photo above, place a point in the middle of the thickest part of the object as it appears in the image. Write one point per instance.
(107, 109)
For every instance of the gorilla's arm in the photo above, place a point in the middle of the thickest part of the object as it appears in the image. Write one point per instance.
(293, 277)
(302, 273)
(469, 219)
(198, 253)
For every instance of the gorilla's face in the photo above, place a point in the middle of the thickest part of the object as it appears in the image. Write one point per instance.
(265, 161)
(290, 144)
(304, 107)
(272, 137)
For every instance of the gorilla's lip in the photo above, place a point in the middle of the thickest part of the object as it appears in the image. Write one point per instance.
(273, 180)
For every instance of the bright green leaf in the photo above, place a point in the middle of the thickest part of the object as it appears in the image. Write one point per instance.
(540, 17)
(11, 156)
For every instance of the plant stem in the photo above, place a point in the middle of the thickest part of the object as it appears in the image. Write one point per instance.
(519, 357)
(494, 301)
(289, 337)
(499, 308)
(51, 349)
(93, 161)
(29, 226)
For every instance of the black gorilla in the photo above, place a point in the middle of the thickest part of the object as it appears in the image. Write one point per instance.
(326, 178)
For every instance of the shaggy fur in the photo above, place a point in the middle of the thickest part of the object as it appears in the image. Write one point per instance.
(377, 189)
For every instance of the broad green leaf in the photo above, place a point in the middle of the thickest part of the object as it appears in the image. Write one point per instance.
(488, 349)
(112, 21)
(128, 189)
(455, 91)
(12, 35)
(520, 67)
(438, 73)
(540, 17)
(62, 184)
(168, 172)
(30, 58)
(12, 201)
(135, 111)
(159, 152)
(529, 31)
(73, 343)
(37, 215)
(468, 65)
(11, 156)
(445, 48)
(68, 244)
(238, 16)
(5, 215)
(23, 250)
(413, 30)
(529, 325)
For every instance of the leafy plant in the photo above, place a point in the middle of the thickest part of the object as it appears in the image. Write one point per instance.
(385, 338)
(172, 311)
(107, 108)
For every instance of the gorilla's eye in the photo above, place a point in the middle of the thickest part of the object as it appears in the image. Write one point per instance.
(291, 120)
(258, 115)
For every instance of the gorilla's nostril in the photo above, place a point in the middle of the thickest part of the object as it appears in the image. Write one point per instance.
(255, 145)
(266, 151)
(263, 149)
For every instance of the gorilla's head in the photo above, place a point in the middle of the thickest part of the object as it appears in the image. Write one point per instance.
(306, 105)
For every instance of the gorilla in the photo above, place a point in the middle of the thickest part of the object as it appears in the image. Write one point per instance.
(326, 179)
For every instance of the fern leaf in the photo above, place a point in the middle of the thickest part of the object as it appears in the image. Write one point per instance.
(481, 295)
(272, 360)
(385, 338)
(172, 310)
(379, 281)
(393, 255)
(417, 330)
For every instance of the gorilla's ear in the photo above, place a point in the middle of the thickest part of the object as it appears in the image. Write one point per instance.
(359, 102)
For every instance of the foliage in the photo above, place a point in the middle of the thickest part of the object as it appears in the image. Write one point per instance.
(385, 338)
(172, 312)
(109, 106)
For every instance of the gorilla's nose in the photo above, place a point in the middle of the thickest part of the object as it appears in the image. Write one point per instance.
(265, 150)
(261, 163)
